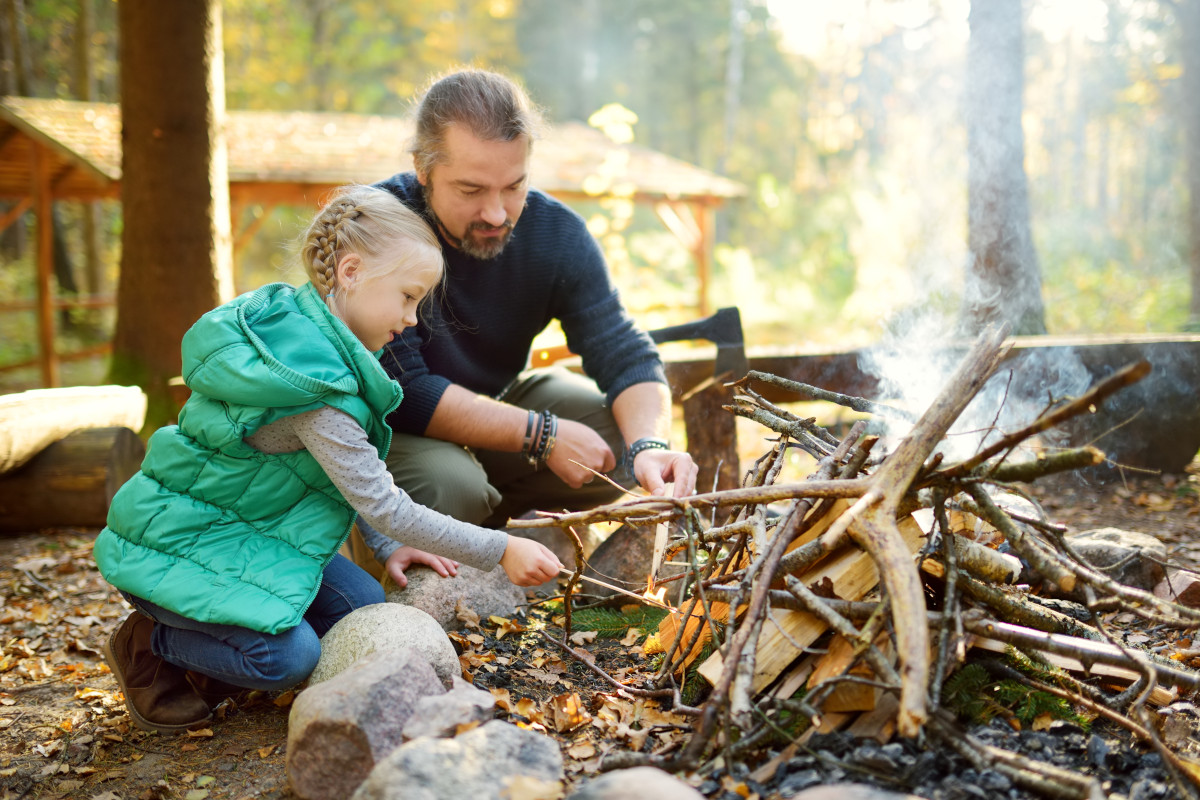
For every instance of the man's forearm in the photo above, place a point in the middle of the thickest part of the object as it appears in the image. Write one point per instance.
(477, 421)
(643, 409)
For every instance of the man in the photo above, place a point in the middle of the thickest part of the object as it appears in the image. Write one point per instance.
(477, 438)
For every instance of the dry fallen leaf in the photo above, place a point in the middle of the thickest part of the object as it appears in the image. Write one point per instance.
(284, 700)
(631, 637)
(505, 626)
(568, 713)
(581, 751)
(202, 733)
(466, 615)
(264, 752)
(583, 637)
(527, 787)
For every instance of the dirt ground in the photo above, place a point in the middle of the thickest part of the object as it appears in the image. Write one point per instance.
(64, 732)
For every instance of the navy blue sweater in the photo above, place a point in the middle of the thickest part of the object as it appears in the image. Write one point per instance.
(479, 331)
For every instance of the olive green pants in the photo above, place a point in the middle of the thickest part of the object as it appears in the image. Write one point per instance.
(487, 487)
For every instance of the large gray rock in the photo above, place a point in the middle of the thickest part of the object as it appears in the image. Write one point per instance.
(385, 626)
(442, 715)
(481, 764)
(485, 593)
(1129, 557)
(638, 783)
(340, 729)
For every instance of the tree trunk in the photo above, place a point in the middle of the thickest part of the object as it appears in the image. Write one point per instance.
(1003, 282)
(176, 258)
(1189, 13)
(85, 89)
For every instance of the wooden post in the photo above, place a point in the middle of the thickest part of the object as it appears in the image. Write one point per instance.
(706, 222)
(43, 212)
(712, 435)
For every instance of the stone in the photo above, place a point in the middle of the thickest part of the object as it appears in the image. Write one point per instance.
(444, 715)
(849, 791)
(624, 559)
(385, 626)
(1180, 586)
(491, 762)
(1128, 557)
(638, 783)
(338, 730)
(485, 593)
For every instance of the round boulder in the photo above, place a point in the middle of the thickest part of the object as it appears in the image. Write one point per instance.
(385, 626)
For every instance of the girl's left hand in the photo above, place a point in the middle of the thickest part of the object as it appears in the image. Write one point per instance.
(406, 556)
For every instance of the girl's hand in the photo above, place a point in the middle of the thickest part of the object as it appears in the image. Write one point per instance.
(528, 563)
(406, 556)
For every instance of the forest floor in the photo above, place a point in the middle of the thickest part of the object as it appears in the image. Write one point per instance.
(64, 732)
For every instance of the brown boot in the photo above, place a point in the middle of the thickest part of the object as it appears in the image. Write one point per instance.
(214, 692)
(157, 694)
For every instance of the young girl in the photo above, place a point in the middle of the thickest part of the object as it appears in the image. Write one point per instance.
(226, 541)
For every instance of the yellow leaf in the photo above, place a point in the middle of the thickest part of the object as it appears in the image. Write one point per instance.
(285, 699)
(264, 752)
(196, 794)
(202, 733)
(631, 637)
(505, 626)
(204, 780)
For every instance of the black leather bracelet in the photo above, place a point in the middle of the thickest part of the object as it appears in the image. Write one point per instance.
(645, 443)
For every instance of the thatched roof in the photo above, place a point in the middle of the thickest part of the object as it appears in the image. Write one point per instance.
(274, 153)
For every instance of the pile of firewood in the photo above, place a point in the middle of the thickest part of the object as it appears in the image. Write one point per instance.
(833, 583)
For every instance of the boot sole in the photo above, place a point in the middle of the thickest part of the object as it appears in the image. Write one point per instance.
(138, 719)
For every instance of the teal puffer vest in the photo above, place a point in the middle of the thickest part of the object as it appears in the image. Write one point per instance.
(215, 530)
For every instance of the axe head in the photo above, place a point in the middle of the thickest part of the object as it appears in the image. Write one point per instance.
(724, 329)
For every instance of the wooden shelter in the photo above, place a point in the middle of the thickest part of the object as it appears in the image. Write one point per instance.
(68, 150)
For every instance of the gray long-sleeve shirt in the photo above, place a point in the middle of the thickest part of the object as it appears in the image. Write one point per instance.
(340, 446)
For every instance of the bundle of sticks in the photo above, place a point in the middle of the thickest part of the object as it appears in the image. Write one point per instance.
(791, 562)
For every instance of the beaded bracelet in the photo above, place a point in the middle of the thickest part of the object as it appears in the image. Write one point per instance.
(552, 437)
(645, 443)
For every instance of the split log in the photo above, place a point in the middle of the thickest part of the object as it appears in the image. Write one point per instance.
(71, 482)
(32, 421)
(848, 573)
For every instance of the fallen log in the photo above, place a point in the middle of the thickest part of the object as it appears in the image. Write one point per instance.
(32, 421)
(71, 482)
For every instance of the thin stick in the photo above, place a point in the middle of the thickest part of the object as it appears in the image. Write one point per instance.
(638, 597)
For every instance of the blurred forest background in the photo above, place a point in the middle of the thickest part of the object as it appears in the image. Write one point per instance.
(844, 120)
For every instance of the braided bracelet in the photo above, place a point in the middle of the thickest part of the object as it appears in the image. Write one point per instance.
(527, 443)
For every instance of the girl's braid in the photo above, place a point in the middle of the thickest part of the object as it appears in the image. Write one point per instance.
(326, 233)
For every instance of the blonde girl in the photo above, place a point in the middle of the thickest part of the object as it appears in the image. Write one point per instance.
(226, 542)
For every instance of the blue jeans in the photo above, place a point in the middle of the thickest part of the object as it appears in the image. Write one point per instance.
(255, 660)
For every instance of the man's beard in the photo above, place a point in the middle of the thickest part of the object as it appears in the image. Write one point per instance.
(482, 248)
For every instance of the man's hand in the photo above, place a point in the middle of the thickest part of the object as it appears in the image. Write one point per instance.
(405, 557)
(528, 563)
(578, 442)
(654, 469)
